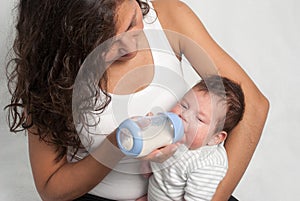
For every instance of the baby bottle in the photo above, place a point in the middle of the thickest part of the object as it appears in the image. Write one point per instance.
(138, 136)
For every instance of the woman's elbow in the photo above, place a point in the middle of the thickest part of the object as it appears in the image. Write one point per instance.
(264, 106)
(258, 112)
(256, 103)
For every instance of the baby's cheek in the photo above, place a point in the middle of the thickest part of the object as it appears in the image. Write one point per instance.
(197, 142)
(189, 136)
(195, 137)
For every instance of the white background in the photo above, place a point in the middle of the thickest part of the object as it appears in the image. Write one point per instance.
(262, 36)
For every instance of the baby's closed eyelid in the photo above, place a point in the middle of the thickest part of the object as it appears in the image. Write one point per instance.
(200, 119)
(185, 106)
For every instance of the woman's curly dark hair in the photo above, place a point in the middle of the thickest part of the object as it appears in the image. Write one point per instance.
(53, 37)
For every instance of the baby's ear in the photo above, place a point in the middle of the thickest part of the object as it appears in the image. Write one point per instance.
(217, 138)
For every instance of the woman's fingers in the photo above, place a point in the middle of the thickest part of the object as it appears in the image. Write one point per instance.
(162, 154)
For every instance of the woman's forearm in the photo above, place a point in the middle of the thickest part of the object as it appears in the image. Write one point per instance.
(73, 180)
(67, 181)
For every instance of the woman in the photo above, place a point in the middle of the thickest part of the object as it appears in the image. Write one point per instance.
(54, 37)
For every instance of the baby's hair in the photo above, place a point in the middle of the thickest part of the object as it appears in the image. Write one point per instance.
(229, 92)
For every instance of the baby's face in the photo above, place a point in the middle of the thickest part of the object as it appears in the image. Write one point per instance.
(195, 109)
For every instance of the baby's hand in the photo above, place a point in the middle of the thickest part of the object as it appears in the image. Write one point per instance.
(162, 154)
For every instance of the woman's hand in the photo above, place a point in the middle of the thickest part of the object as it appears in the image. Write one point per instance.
(161, 154)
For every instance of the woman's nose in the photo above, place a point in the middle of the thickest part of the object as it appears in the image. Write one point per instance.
(130, 41)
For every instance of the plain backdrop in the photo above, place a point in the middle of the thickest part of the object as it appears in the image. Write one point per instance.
(262, 36)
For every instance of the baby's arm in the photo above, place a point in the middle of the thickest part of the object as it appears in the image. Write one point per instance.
(144, 198)
(146, 169)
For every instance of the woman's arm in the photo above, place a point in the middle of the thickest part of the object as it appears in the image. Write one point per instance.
(63, 180)
(176, 16)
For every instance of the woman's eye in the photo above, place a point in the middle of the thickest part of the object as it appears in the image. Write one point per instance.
(131, 26)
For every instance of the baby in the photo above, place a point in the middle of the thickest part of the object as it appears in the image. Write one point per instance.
(209, 111)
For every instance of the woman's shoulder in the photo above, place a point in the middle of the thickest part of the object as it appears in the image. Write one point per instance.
(168, 5)
(172, 13)
(176, 17)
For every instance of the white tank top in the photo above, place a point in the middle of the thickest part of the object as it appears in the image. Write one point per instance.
(124, 182)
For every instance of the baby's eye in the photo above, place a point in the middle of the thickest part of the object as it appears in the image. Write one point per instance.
(184, 106)
(199, 119)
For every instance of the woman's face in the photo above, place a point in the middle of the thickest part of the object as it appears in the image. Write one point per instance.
(129, 26)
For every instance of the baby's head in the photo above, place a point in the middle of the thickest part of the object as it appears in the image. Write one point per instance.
(210, 110)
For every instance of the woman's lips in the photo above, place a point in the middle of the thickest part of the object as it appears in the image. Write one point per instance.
(127, 56)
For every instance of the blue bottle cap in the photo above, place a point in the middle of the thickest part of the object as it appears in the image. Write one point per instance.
(128, 138)
(177, 126)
